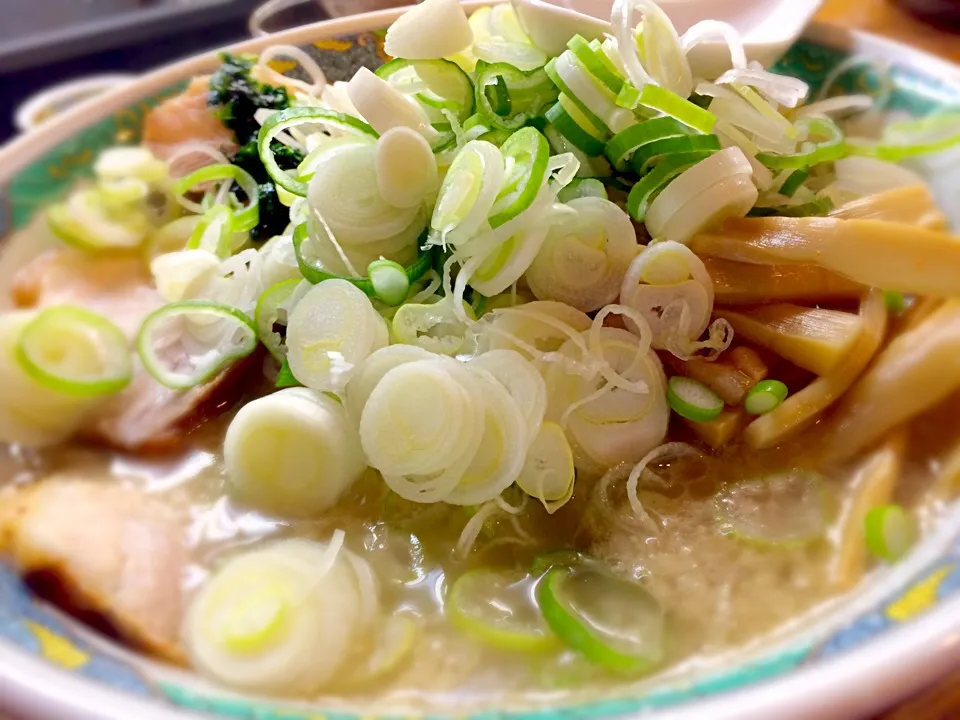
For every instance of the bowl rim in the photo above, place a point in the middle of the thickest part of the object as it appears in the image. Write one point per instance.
(866, 679)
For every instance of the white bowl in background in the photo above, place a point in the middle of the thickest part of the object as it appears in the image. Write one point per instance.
(768, 27)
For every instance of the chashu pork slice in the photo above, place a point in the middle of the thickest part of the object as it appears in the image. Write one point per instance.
(108, 553)
(145, 416)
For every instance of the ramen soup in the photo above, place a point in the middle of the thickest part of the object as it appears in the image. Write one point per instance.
(483, 376)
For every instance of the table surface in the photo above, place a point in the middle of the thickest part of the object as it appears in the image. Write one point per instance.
(881, 17)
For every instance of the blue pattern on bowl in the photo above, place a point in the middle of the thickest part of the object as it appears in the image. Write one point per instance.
(31, 626)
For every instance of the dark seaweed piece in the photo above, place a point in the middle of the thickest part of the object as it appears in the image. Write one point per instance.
(237, 96)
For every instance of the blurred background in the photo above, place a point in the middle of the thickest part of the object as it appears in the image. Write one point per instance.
(45, 43)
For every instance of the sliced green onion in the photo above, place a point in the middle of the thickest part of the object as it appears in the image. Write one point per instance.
(267, 315)
(496, 137)
(286, 378)
(648, 154)
(693, 400)
(613, 622)
(583, 139)
(525, 154)
(529, 93)
(315, 273)
(894, 301)
(654, 97)
(642, 193)
(243, 220)
(499, 97)
(596, 63)
(396, 639)
(214, 232)
(889, 531)
(779, 510)
(389, 281)
(75, 351)
(582, 187)
(291, 117)
(433, 326)
(558, 558)
(594, 119)
(171, 237)
(765, 396)
(628, 97)
(498, 610)
(818, 207)
(86, 222)
(909, 138)
(794, 181)
(622, 146)
(829, 146)
(227, 332)
(447, 86)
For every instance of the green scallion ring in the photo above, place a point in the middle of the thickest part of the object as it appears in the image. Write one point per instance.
(621, 147)
(530, 153)
(613, 622)
(794, 181)
(499, 97)
(476, 605)
(889, 532)
(389, 281)
(286, 378)
(243, 220)
(242, 342)
(214, 232)
(582, 187)
(529, 93)
(628, 97)
(551, 70)
(765, 396)
(314, 273)
(693, 400)
(433, 74)
(831, 146)
(650, 153)
(266, 314)
(75, 351)
(643, 192)
(657, 98)
(580, 138)
(596, 63)
(291, 117)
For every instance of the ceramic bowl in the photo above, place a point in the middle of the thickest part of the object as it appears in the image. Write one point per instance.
(900, 631)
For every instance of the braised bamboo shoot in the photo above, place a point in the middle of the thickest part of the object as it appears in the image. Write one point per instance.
(815, 339)
(721, 430)
(873, 483)
(741, 283)
(892, 256)
(801, 408)
(911, 205)
(916, 371)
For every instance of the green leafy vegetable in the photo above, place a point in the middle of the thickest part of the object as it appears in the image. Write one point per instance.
(286, 378)
(274, 215)
(236, 97)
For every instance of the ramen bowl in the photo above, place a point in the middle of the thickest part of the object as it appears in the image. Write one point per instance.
(899, 631)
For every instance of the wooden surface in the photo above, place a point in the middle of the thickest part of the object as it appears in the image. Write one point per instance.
(884, 18)
(941, 702)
